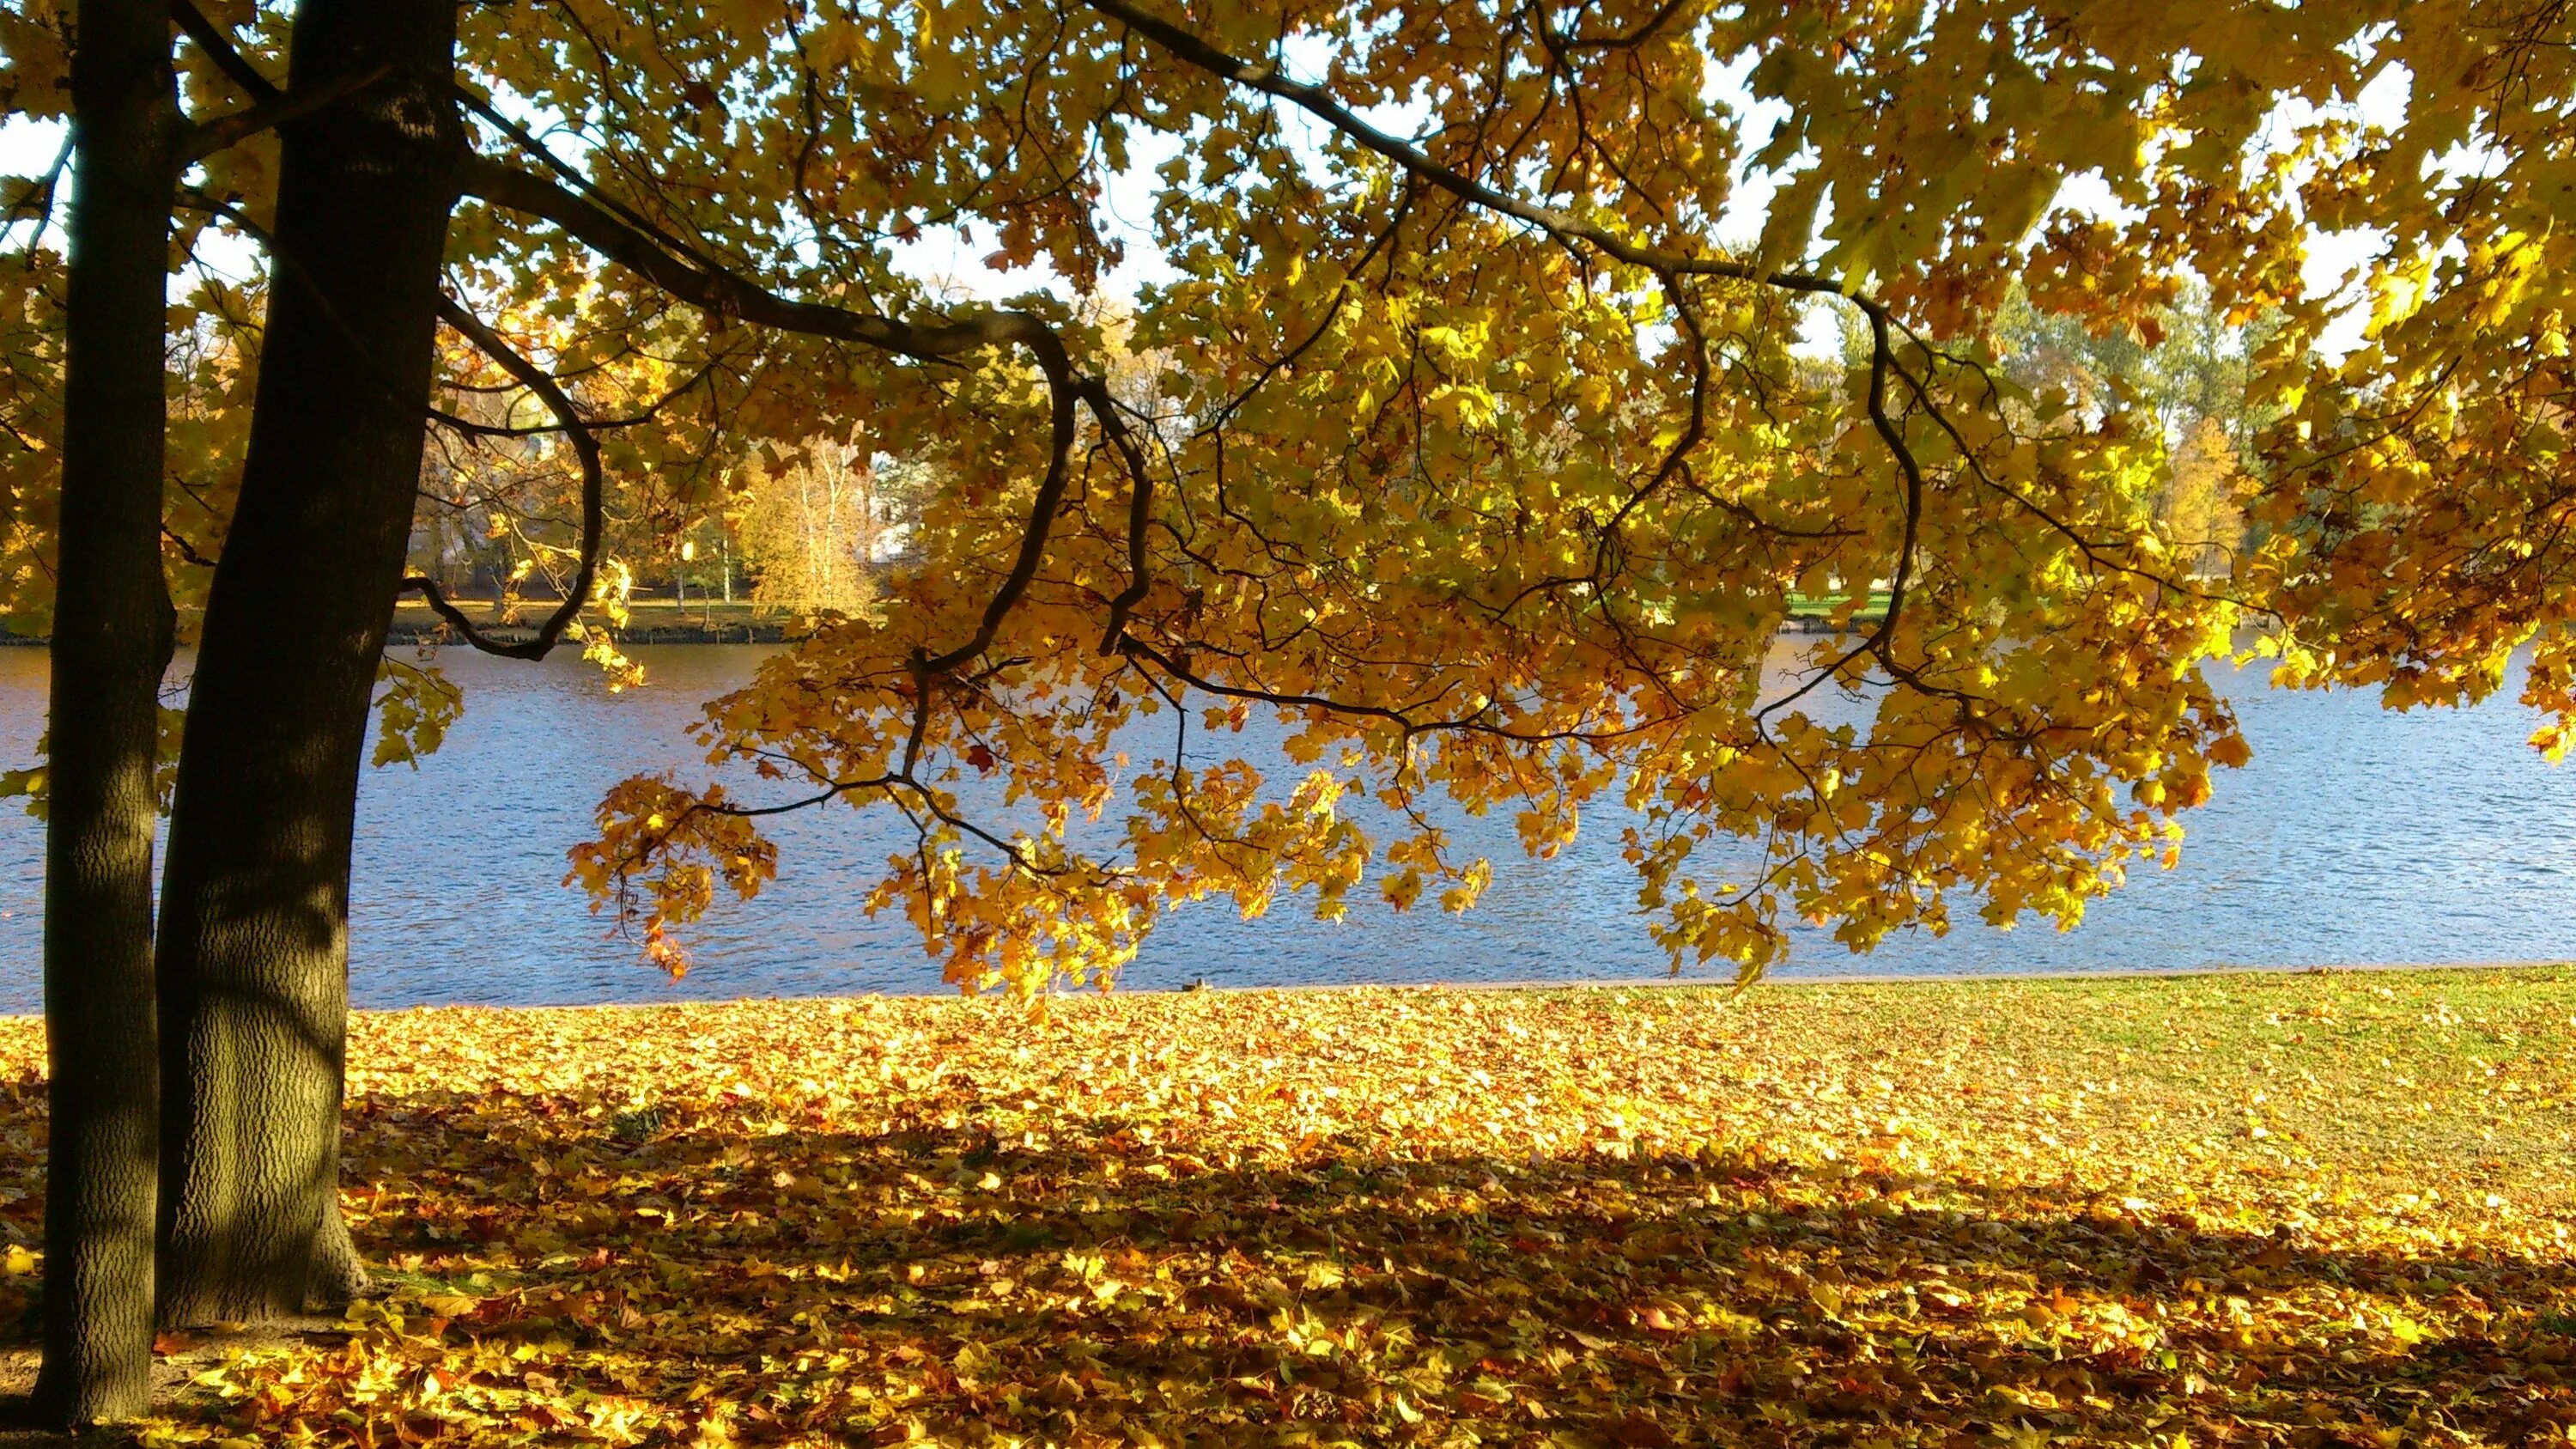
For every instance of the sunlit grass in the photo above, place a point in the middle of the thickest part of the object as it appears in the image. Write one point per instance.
(2302, 1209)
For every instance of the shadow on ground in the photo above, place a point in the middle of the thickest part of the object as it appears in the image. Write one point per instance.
(711, 1275)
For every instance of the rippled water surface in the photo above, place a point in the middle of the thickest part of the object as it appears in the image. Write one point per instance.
(2355, 836)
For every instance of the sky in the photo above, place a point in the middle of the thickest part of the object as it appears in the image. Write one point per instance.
(1127, 204)
(940, 256)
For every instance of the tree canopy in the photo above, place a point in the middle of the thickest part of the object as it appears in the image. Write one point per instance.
(1459, 405)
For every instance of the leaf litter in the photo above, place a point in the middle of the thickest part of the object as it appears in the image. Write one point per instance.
(2298, 1210)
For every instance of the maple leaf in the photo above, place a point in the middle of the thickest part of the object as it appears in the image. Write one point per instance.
(1381, 1215)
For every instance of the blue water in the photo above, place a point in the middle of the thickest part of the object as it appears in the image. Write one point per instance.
(2356, 836)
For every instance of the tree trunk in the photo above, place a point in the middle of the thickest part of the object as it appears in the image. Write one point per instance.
(254, 944)
(111, 646)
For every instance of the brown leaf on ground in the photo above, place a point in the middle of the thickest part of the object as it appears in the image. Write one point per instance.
(1638, 1217)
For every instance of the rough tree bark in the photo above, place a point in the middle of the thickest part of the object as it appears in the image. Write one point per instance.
(254, 946)
(111, 645)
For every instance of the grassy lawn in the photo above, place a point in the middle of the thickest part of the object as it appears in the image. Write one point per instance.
(1802, 606)
(2322, 1209)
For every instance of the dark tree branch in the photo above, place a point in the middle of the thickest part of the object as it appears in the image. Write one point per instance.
(1140, 512)
(1318, 102)
(219, 48)
(521, 137)
(701, 283)
(1564, 227)
(585, 445)
(276, 110)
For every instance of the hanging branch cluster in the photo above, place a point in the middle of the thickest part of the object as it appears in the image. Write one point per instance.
(1453, 458)
(1665, 711)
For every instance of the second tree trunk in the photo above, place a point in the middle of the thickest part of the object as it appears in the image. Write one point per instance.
(254, 923)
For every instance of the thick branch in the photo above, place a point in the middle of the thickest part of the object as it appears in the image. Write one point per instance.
(1318, 102)
(711, 288)
(1564, 227)
(269, 113)
(218, 47)
(1140, 512)
(585, 445)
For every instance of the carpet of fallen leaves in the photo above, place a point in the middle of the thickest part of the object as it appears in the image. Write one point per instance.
(2303, 1210)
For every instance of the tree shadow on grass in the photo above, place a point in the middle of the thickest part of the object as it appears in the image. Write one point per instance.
(703, 1272)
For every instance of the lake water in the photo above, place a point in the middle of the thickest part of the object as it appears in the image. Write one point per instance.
(2356, 836)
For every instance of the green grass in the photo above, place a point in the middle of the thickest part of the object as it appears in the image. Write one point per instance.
(2287, 1210)
(2462, 1079)
(1805, 606)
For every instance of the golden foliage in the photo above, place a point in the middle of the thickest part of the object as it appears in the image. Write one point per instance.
(2246, 1210)
(813, 529)
(1484, 461)
(2203, 508)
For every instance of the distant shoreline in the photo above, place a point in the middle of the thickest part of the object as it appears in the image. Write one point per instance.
(408, 633)
(760, 631)
(413, 632)
(2142, 976)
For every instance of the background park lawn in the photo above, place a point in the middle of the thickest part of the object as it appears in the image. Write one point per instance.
(2249, 1209)
(413, 616)
(1819, 606)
